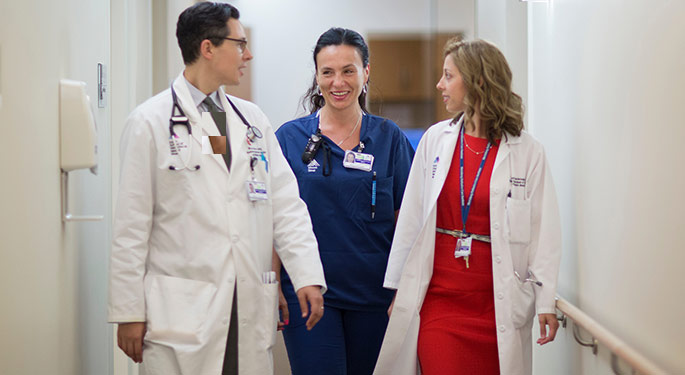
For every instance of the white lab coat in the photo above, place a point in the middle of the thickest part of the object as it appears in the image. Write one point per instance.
(525, 233)
(182, 238)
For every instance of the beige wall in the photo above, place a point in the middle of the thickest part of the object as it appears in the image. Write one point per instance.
(39, 256)
(36, 271)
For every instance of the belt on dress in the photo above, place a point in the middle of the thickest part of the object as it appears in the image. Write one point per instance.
(461, 234)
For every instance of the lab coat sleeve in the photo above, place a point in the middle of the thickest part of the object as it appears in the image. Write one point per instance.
(294, 239)
(132, 223)
(410, 219)
(545, 244)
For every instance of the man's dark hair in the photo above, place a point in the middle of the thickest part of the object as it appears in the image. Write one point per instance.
(335, 36)
(206, 20)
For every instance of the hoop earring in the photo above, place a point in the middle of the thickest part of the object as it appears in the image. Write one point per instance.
(365, 88)
(318, 91)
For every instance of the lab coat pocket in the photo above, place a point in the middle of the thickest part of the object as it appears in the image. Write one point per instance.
(176, 308)
(271, 311)
(173, 187)
(522, 303)
(518, 215)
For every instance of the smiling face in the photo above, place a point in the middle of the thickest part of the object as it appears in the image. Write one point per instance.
(341, 75)
(229, 60)
(452, 87)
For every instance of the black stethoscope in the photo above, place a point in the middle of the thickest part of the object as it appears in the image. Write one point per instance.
(178, 117)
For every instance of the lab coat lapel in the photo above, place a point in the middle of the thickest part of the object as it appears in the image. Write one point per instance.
(185, 100)
(201, 125)
(442, 160)
(504, 150)
(236, 130)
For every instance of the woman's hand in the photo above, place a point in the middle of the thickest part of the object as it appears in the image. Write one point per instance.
(283, 307)
(551, 321)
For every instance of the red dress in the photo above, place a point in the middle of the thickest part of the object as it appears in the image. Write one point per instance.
(457, 333)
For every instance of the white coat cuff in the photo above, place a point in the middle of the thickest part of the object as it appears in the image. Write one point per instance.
(389, 284)
(125, 319)
(546, 310)
(310, 282)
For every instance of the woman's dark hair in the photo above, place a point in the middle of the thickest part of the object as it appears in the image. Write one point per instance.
(335, 36)
(205, 20)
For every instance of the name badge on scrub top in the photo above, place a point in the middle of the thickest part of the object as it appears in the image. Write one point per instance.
(358, 160)
(256, 190)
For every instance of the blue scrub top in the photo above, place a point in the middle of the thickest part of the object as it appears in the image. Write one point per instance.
(353, 247)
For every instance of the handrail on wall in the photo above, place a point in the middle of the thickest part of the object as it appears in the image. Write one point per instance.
(618, 348)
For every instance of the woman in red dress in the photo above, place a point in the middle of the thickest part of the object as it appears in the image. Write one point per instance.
(477, 244)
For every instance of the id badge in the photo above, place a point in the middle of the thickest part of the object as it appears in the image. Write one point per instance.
(463, 248)
(358, 160)
(256, 190)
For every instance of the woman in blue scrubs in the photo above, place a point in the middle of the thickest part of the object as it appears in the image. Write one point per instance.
(352, 181)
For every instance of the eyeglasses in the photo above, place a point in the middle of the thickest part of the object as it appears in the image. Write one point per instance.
(242, 43)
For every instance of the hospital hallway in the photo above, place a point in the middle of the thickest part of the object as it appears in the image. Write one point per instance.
(603, 85)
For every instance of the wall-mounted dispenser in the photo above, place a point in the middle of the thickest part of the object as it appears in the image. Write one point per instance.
(78, 139)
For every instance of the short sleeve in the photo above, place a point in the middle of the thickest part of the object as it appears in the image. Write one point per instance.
(404, 154)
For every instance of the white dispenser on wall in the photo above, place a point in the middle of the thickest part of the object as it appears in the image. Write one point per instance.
(78, 139)
(78, 147)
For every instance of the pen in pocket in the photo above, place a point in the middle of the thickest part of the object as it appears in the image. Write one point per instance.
(373, 195)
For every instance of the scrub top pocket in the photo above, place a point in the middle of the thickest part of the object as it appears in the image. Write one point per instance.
(384, 200)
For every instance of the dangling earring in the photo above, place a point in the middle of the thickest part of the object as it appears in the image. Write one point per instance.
(318, 91)
(365, 88)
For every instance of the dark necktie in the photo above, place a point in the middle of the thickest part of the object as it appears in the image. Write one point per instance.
(219, 118)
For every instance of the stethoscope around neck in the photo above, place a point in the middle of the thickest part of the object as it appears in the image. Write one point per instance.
(178, 117)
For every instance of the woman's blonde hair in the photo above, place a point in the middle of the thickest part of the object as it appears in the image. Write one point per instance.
(487, 79)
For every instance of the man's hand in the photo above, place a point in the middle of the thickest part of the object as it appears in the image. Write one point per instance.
(283, 306)
(311, 295)
(130, 339)
(551, 321)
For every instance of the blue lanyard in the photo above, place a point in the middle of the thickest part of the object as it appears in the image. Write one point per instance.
(465, 208)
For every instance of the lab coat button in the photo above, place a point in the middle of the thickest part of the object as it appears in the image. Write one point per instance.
(500, 295)
(498, 259)
(496, 191)
(496, 226)
(224, 321)
(502, 328)
(234, 239)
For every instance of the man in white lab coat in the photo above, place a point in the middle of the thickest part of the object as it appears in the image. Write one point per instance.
(191, 240)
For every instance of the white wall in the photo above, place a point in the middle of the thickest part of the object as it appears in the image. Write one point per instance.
(504, 23)
(131, 84)
(284, 34)
(606, 91)
(49, 271)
